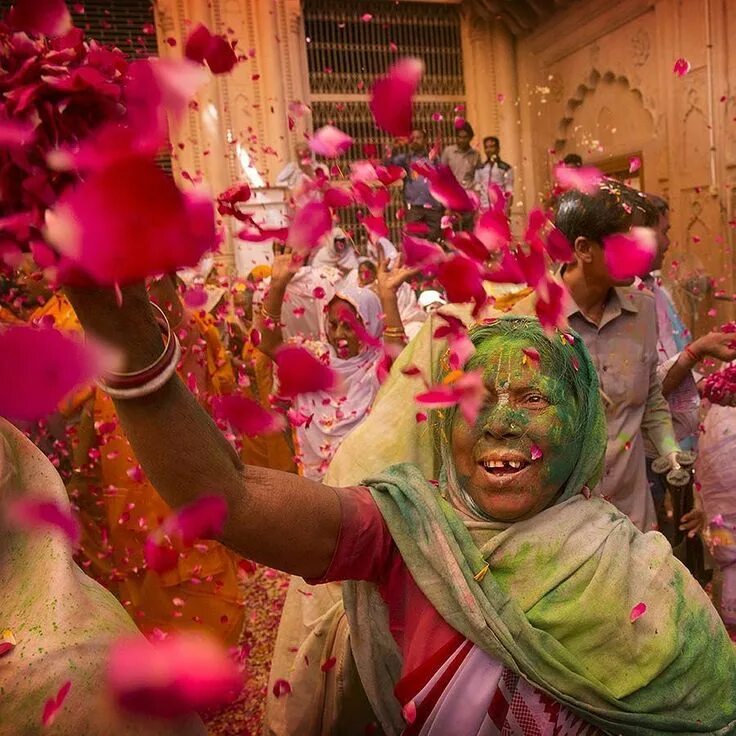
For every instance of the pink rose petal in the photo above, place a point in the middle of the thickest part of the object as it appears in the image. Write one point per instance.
(39, 368)
(532, 354)
(246, 416)
(330, 142)
(549, 304)
(444, 187)
(173, 676)
(7, 642)
(36, 513)
(634, 164)
(462, 280)
(630, 254)
(15, 133)
(585, 179)
(130, 221)
(536, 452)
(419, 253)
(375, 225)
(461, 346)
(202, 46)
(328, 664)
(196, 297)
(311, 223)
(681, 67)
(637, 611)
(467, 392)
(281, 687)
(53, 705)
(337, 197)
(300, 372)
(391, 101)
(409, 712)
(45, 17)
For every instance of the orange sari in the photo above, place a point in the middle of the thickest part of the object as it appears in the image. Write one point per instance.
(203, 591)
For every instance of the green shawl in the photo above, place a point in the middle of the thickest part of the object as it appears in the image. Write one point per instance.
(555, 608)
(555, 603)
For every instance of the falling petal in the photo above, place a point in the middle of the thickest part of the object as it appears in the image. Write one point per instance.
(171, 677)
(330, 142)
(462, 279)
(409, 712)
(532, 354)
(130, 221)
(637, 611)
(246, 416)
(311, 223)
(202, 46)
(630, 254)
(228, 201)
(585, 179)
(45, 17)
(681, 67)
(196, 297)
(444, 187)
(536, 452)
(53, 705)
(300, 372)
(32, 514)
(281, 687)
(391, 101)
(7, 642)
(39, 369)
(549, 305)
(15, 133)
(419, 253)
(634, 164)
(328, 664)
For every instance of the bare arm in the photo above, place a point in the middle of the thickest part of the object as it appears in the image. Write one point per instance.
(274, 518)
(716, 345)
(283, 270)
(387, 286)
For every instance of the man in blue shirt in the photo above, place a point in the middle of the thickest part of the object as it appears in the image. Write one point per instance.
(421, 206)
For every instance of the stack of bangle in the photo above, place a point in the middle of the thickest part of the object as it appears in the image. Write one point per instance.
(692, 354)
(394, 333)
(146, 381)
(276, 318)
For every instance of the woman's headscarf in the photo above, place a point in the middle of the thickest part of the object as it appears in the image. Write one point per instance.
(345, 260)
(358, 384)
(550, 597)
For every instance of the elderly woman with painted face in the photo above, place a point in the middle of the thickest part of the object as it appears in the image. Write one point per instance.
(357, 323)
(490, 594)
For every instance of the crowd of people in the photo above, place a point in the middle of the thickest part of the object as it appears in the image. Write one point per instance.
(504, 552)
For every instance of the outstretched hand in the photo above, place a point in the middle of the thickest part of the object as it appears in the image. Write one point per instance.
(284, 265)
(388, 281)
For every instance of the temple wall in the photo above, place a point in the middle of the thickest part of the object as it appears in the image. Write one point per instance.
(598, 80)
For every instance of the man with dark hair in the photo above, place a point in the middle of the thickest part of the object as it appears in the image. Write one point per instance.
(421, 206)
(463, 161)
(619, 327)
(494, 171)
(573, 160)
(461, 158)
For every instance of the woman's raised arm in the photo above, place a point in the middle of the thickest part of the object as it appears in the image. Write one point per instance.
(278, 519)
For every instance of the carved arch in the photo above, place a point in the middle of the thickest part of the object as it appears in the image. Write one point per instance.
(585, 89)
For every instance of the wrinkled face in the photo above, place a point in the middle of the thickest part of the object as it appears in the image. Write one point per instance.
(366, 274)
(462, 139)
(491, 148)
(340, 330)
(514, 461)
(663, 240)
(417, 141)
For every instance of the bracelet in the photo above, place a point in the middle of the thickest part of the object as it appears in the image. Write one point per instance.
(394, 333)
(691, 354)
(114, 379)
(267, 315)
(151, 385)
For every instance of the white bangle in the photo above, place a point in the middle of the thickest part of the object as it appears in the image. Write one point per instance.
(151, 386)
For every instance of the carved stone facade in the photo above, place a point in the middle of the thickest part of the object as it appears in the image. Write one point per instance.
(622, 98)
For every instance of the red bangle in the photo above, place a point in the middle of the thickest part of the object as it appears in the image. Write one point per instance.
(692, 354)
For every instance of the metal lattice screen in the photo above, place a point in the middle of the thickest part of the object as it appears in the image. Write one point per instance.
(346, 52)
(127, 24)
